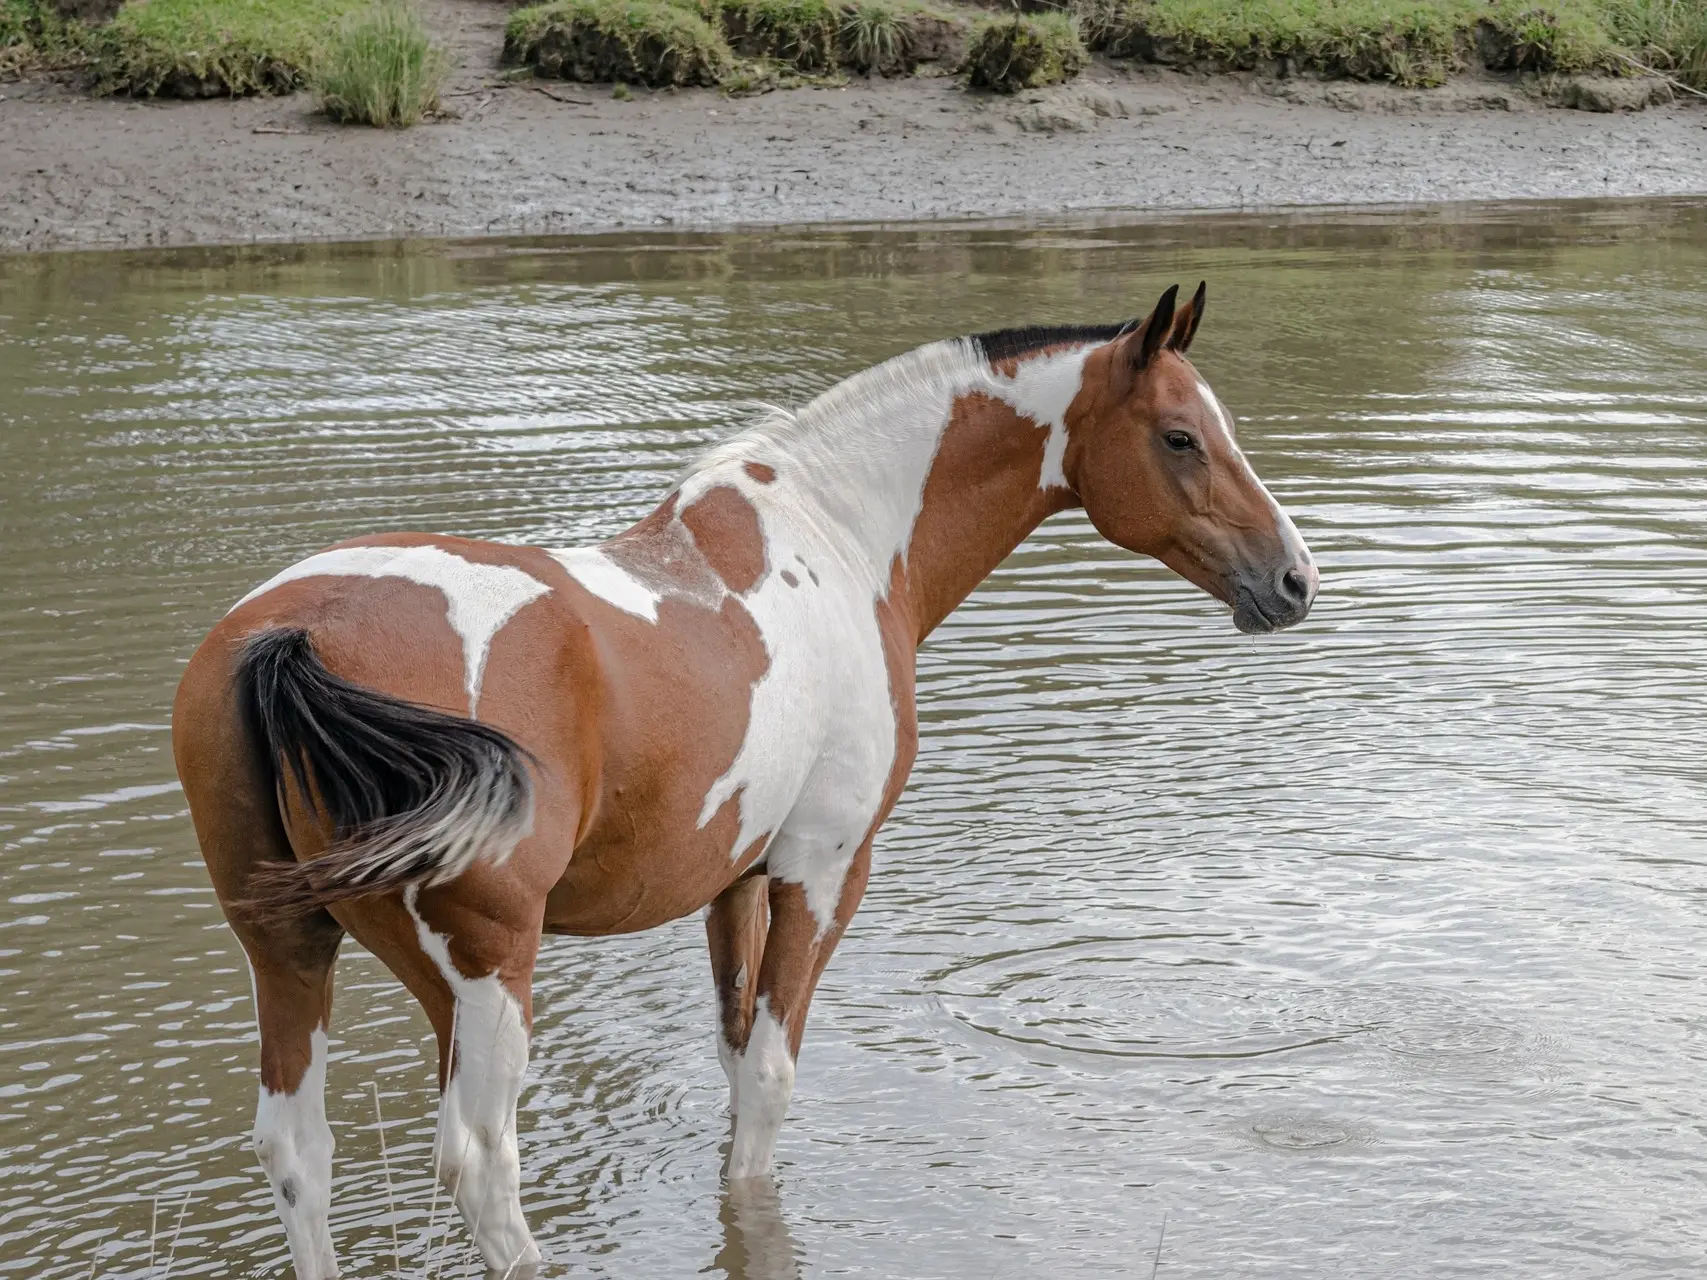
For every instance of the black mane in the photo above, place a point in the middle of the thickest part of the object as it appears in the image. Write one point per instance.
(1006, 344)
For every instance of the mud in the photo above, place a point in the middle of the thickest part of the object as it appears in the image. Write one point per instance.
(555, 157)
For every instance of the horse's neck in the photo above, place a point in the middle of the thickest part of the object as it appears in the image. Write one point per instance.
(988, 488)
(923, 473)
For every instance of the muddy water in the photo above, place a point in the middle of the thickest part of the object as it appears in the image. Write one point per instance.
(1373, 949)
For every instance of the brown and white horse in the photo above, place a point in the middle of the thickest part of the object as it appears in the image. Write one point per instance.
(447, 747)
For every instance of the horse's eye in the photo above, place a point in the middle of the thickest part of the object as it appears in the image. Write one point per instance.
(1179, 440)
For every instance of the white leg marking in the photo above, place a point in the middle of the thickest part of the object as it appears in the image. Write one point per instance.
(475, 1153)
(294, 1144)
(479, 598)
(728, 1056)
(766, 1074)
(730, 1060)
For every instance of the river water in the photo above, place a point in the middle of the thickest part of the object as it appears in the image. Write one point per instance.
(1373, 949)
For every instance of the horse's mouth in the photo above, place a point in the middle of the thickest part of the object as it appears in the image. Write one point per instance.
(1251, 617)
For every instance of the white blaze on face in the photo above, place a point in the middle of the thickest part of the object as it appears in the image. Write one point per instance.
(1289, 535)
(479, 598)
(294, 1145)
(1215, 410)
(475, 1153)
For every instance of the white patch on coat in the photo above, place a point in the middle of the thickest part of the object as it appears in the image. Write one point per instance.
(474, 1153)
(479, 598)
(294, 1145)
(850, 472)
(609, 581)
(1041, 389)
(766, 1074)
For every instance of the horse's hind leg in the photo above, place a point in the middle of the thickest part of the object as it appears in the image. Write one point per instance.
(290, 960)
(467, 953)
(292, 969)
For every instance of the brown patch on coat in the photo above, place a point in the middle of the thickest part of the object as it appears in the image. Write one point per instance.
(981, 499)
(726, 530)
(763, 472)
(674, 715)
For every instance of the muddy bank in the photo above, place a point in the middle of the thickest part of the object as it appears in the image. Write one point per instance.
(519, 158)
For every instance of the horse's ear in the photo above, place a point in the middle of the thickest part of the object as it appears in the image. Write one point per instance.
(1187, 320)
(1140, 346)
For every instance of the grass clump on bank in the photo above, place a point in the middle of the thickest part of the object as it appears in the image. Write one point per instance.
(1025, 51)
(744, 46)
(1408, 42)
(212, 48)
(629, 41)
(381, 68)
(803, 34)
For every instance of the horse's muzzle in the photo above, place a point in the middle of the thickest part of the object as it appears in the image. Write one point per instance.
(1274, 601)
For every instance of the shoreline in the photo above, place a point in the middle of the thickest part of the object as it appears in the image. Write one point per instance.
(550, 158)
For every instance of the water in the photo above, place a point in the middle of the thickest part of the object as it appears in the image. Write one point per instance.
(1372, 949)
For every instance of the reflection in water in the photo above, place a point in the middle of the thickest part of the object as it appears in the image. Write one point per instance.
(1369, 949)
(756, 1241)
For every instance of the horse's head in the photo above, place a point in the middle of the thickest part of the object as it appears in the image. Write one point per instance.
(1153, 459)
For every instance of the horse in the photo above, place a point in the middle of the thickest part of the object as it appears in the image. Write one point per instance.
(447, 748)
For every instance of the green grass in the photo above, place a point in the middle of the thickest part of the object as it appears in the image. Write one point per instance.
(630, 41)
(1024, 51)
(33, 36)
(1668, 35)
(1411, 42)
(381, 68)
(891, 37)
(208, 48)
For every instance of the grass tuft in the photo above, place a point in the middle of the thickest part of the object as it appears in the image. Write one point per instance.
(1025, 51)
(212, 48)
(629, 41)
(381, 68)
(875, 37)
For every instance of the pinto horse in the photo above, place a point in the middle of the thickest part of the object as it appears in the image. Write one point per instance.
(447, 748)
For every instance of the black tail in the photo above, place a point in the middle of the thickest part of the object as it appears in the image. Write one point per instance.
(413, 795)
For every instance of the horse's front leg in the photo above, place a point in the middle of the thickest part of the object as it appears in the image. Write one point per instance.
(797, 947)
(735, 926)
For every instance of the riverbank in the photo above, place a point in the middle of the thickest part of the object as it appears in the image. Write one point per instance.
(527, 159)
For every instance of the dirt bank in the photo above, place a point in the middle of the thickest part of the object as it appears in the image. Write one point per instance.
(76, 172)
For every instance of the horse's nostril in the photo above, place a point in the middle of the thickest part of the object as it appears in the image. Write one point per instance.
(1295, 586)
